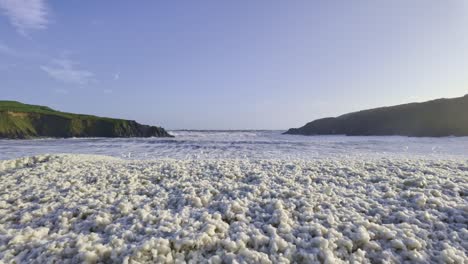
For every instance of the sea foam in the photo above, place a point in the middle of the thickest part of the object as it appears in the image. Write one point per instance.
(80, 208)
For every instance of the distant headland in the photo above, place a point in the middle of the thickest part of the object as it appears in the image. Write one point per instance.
(20, 121)
(436, 118)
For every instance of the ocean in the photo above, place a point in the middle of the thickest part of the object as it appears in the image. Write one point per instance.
(248, 144)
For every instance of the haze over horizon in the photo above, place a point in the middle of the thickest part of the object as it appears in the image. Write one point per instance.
(236, 65)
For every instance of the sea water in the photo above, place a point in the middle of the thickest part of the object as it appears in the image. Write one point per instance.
(243, 145)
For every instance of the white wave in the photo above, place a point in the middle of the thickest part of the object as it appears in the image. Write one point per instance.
(246, 144)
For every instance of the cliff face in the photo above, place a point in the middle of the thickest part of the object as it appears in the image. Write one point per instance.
(28, 121)
(437, 118)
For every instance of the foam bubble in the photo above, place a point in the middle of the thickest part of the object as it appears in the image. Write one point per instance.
(78, 208)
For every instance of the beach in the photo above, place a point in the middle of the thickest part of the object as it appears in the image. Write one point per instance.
(233, 132)
(100, 209)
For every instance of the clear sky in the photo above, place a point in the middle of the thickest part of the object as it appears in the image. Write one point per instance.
(231, 64)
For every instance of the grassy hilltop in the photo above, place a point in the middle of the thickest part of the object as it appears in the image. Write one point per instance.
(436, 118)
(18, 120)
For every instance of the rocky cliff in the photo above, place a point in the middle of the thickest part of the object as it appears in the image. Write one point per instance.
(19, 120)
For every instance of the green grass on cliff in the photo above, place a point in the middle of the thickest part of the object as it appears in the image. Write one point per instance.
(20, 107)
(13, 106)
(9, 125)
(18, 120)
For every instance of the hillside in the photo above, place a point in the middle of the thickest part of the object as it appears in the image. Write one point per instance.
(436, 118)
(18, 121)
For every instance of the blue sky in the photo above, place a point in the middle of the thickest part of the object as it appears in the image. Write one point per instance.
(231, 64)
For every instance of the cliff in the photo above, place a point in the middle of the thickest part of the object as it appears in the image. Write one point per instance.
(436, 118)
(18, 120)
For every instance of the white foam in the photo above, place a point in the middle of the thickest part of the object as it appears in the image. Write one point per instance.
(75, 208)
(243, 144)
